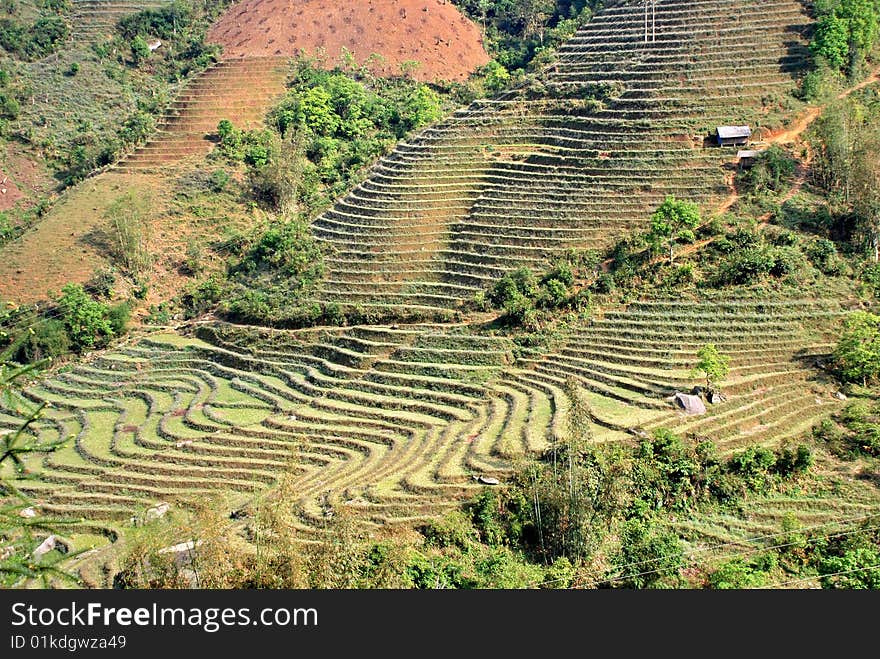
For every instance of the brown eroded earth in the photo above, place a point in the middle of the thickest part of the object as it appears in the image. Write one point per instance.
(432, 32)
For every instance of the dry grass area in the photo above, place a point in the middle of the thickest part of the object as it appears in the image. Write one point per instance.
(67, 245)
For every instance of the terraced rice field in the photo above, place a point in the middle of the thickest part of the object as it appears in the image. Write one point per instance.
(397, 422)
(240, 90)
(93, 20)
(632, 360)
(573, 162)
(376, 417)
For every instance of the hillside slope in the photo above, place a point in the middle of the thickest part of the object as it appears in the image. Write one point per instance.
(446, 45)
(398, 422)
(573, 161)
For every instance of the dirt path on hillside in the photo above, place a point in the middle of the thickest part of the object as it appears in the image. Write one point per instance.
(784, 137)
(792, 135)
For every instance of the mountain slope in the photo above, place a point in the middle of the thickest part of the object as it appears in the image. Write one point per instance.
(573, 161)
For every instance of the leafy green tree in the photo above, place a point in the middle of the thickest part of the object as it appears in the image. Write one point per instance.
(572, 494)
(422, 107)
(675, 220)
(140, 51)
(712, 364)
(738, 573)
(856, 569)
(857, 354)
(316, 111)
(832, 41)
(87, 320)
(846, 32)
(128, 217)
(497, 77)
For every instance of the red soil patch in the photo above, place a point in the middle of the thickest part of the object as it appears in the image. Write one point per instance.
(433, 32)
(9, 193)
(19, 176)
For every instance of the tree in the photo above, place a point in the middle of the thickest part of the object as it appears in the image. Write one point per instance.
(712, 364)
(140, 51)
(846, 32)
(571, 496)
(832, 41)
(128, 216)
(87, 321)
(865, 188)
(674, 221)
(857, 354)
(648, 557)
(422, 107)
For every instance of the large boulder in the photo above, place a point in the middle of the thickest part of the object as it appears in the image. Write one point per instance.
(690, 405)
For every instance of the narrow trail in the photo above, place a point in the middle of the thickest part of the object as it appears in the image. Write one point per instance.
(788, 136)
(792, 135)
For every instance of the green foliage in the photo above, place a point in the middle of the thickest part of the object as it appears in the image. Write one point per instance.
(129, 217)
(857, 355)
(47, 339)
(824, 255)
(497, 78)
(520, 33)
(739, 573)
(855, 568)
(162, 22)
(35, 41)
(772, 172)
(422, 106)
(118, 317)
(86, 320)
(268, 282)
(752, 264)
(219, 180)
(712, 364)
(140, 51)
(520, 294)
(845, 141)
(846, 32)
(648, 557)
(853, 432)
(20, 536)
(673, 222)
(832, 41)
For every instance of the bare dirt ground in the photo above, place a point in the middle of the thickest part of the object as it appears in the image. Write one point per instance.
(432, 32)
(20, 178)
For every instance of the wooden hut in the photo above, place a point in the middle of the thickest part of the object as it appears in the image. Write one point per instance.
(733, 135)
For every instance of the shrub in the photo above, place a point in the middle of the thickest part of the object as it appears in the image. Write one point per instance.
(642, 545)
(772, 172)
(857, 355)
(823, 254)
(129, 220)
(48, 339)
(118, 317)
(87, 321)
(219, 180)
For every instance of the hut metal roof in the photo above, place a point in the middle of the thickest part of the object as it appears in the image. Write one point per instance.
(734, 132)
